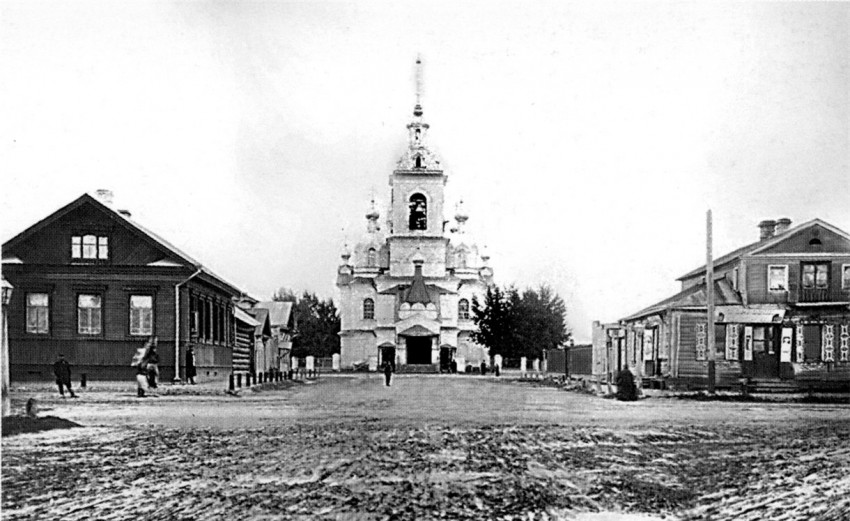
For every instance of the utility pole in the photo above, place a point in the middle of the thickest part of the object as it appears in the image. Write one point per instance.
(709, 301)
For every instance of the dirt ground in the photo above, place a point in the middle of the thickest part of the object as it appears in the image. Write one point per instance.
(429, 447)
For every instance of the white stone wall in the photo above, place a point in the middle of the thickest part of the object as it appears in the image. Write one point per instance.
(357, 347)
(404, 186)
(404, 249)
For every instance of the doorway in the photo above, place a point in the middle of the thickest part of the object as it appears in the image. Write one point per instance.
(418, 350)
(388, 355)
(766, 351)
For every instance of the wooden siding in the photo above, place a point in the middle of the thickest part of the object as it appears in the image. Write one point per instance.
(693, 372)
(244, 341)
(799, 242)
(52, 244)
(756, 273)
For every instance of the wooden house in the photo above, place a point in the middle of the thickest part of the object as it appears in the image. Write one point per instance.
(782, 316)
(93, 284)
(282, 326)
(264, 352)
(244, 327)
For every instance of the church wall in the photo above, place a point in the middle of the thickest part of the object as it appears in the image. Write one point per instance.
(352, 306)
(357, 347)
(403, 250)
(385, 310)
(429, 185)
(471, 352)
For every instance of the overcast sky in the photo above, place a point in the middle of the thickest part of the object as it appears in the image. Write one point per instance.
(586, 140)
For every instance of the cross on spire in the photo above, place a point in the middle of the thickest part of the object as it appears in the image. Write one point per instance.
(417, 111)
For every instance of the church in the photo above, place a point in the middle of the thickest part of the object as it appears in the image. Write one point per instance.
(406, 291)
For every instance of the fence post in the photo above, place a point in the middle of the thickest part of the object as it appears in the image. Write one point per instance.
(83, 380)
(239, 380)
(231, 387)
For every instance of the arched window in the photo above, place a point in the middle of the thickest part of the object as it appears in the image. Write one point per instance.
(368, 309)
(418, 161)
(372, 258)
(418, 212)
(463, 309)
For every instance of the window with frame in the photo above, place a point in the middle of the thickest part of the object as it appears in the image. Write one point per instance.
(38, 313)
(89, 318)
(368, 309)
(815, 275)
(845, 276)
(372, 258)
(141, 315)
(777, 278)
(764, 340)
(463, 309)
(94, 247)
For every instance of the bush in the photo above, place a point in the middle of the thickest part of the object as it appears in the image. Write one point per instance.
(626, 388)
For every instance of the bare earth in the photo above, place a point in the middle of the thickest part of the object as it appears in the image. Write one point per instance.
(429, 447)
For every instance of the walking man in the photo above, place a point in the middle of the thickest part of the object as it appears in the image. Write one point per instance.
(62, 370)
(388, 373)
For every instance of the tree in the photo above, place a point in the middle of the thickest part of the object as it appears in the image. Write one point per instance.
(514, 324)
(285, 295)
(495, 322)
(316, 322)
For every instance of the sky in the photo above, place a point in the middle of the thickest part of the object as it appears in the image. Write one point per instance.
(587, 140)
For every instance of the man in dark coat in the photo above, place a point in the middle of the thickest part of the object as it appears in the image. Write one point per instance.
(191, 372)
(388, 373)
(62, 370)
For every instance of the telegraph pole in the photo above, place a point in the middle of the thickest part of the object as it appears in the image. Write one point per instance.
(709, 300)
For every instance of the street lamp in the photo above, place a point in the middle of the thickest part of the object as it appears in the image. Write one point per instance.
(4, 339)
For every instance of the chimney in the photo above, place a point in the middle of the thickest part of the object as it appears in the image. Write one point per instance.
(782, 225)
(105, 196)
(767, 228)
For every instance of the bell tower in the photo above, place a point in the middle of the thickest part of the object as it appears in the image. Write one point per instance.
(417, 199)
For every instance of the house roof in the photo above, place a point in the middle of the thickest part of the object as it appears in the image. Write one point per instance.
(127, 222)
(240, 315)
(758, 246)
(693, 297)
(261, 315)
(279, 312)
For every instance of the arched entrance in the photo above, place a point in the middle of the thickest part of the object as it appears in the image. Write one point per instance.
(388, 355)
(418, 350)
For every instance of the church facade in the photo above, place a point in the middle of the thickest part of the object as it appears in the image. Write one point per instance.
(406, 292)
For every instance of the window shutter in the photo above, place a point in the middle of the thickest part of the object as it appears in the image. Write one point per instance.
(732, 342)
(748, 343)
(785, 348)
(828, 345)
(700, 341)
(801, 348)
(647, 345)
(844, 355)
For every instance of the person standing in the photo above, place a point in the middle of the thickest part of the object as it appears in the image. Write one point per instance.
(388, 373)
(153, 365)
(62, 370)
(141, 379)
(191, 372)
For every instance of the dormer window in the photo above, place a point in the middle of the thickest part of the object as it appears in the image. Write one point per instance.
(94, 247)
(418, 212)
(372, 258)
